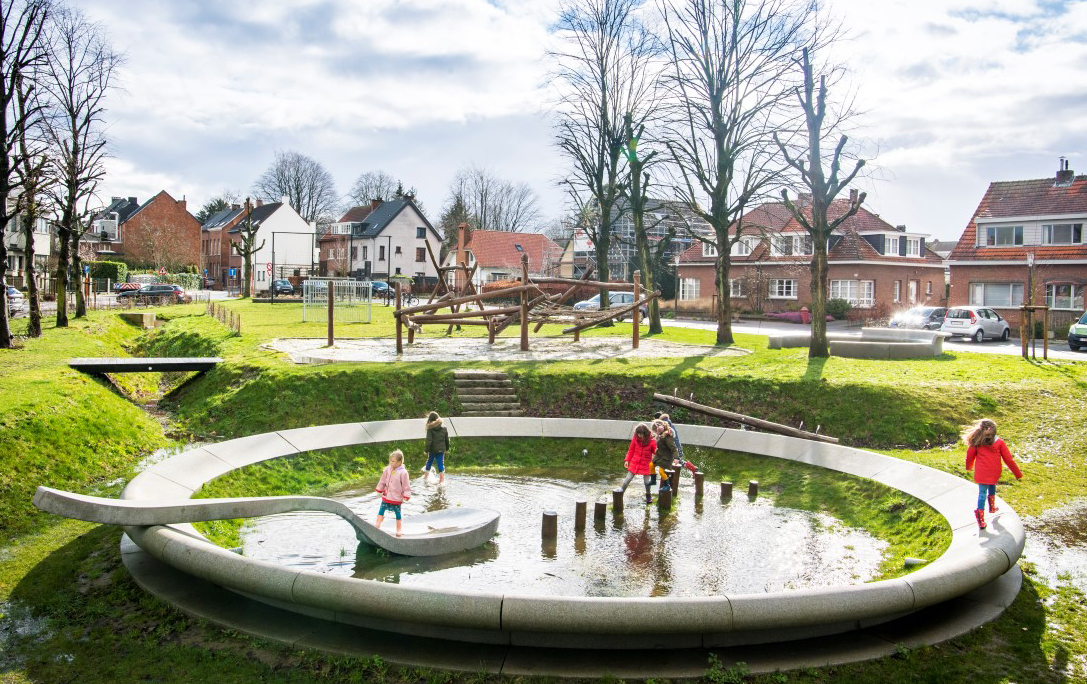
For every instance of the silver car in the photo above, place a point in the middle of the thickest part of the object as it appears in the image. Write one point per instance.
(975, 322)
(617, 300)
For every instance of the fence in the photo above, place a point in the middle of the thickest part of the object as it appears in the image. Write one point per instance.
(226, 316)
(352, 299)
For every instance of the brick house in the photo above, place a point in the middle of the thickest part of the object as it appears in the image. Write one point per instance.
(1016, 221)
(498, 255)
(871, 263)
(215, 244)
(158, 233)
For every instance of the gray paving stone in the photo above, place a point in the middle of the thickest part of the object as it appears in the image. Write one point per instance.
(587, 429)
(192, 469)
(252, 449)
(148, 485)
(615, 615)
(699, 435)
(805, 607)
(395, 430)
(326, 436)
(497, 426)
(955, 574)
(917, 480)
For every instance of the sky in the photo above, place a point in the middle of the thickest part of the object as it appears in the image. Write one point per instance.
(951, 95)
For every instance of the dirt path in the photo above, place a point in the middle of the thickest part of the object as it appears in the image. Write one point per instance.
(313, 350)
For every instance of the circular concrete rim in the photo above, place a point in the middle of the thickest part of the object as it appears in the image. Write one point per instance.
(972, 561)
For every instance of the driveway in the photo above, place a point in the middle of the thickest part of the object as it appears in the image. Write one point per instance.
(1058, 349)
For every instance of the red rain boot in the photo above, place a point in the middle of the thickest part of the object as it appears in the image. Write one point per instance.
(690, 466)
(980, 515)
(992, 504)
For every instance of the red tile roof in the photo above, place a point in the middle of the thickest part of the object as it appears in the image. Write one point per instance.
(496, 248)
(1008, 199)
(356, 213)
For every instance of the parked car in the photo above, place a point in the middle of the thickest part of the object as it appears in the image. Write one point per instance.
(16, 300)
(282, 286)
(617, 300)
(123, 287)
(1077, 334)
(377, 287)
(920, 318)
(975, 322)
(159, 291)
(209, 283)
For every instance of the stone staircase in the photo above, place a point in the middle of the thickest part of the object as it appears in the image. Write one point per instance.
(486, 393)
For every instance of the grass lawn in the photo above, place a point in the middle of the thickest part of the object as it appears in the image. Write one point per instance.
(71, 612)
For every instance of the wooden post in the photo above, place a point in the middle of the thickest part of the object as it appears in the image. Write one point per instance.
(753, 488)
(524, 303)
(331, 314)
(699, 477)
(399, 323)
(1045, 333)
(664, 499)
(411, 332)
(600, 511)
(550, 526)
(617, 501)
(635, 318)
(726, 490)
(580, 509)
(1022, 329)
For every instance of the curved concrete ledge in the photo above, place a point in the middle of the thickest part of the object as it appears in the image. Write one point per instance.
(973, 560)
(430, 534)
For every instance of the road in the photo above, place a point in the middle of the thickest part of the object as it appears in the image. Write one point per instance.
(1058, 349)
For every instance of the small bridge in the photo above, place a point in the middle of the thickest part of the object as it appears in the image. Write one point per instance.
(148, 365)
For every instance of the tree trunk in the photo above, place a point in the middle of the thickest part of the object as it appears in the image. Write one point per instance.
(247, 275)
(34, 327)
(5, 322)
(724, 295)
(80, 279)
(603, 272)
(63, 262)
(819, 288)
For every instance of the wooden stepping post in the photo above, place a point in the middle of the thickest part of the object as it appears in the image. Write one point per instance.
(726, 490)
(699, 477)
(580, 509)
(550, 525)
(753, 489)
(600, 511)
(617, 501)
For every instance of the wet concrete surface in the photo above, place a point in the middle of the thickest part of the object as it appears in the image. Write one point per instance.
(701, 547)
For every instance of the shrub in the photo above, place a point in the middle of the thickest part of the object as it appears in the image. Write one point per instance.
(838, 307)
(114, 270)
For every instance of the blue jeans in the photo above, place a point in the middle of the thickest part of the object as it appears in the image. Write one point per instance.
(438, 460)
(985, 491)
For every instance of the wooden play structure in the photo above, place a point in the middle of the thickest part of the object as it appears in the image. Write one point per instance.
(535, 306)
(745, 420)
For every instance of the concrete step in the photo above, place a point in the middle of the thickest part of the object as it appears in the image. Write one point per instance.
(489, 399)
(479, 375)
(496, 406)
(465, 384)
(492, 414)
(489, 391)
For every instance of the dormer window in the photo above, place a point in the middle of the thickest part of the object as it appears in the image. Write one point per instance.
(913, 247)
(709, 250)
(1062, 234)
(1002, 236)
(892, 246)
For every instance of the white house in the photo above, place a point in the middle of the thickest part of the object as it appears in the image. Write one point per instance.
(288, 245)
(391, 239)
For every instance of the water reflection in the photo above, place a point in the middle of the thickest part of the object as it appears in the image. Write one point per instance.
(696, 548)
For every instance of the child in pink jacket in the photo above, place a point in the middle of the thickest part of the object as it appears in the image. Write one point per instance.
(394, 487)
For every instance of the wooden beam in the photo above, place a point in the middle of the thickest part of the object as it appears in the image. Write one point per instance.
(434, 318)
(566, 295)
(433, 306)
(617, 287)
(618, 312)
(746, 420)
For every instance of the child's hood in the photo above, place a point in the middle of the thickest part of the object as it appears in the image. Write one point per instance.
(437, 422)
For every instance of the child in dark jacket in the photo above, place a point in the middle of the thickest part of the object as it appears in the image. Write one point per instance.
(437, 443)
(639, 460)
(667, 452)
(984, 455)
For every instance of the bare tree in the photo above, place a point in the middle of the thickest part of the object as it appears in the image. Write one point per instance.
(824, 189)
(493, 203)
(371, 185)
(80, 71)
(604, 71)
(22, 50)
(31, 169)
(731, 62)
(247, 247)
(304, 181)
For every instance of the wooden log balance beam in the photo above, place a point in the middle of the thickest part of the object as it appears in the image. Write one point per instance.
(746, 420)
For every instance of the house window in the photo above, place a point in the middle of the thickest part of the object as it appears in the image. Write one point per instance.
(913, 247)
(790, 245)
(744, 245)
(397, 270)
(709, 250)
(856, 292)
(928, 288)
(519, 247)
(1003, 295)
(365, 252)
(736, 287)
(1064, 296)
(898, 291)
(354, 252)
(688, 288)
(892, 246)
(1003, 236)
(381, 253)
(783, 289)
(495, 276)
(420, 254)
(420, 233)
(397, 252)
(1062, 234)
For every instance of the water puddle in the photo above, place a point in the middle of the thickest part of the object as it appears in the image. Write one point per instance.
(1057, 545)
(700, 548)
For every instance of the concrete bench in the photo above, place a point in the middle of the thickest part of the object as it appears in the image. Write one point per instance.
(788, 340)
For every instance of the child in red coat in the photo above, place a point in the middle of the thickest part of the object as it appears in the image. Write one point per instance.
(986, 451)
(639, 460)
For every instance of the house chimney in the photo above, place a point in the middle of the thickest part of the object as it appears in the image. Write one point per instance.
(853, 195)
(284, 199)
(132, 200)
(235, 207)
(183, 202)
(901, 227)
(374, 204)
(115, 199)
(260, 202)
(1065, 175)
